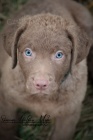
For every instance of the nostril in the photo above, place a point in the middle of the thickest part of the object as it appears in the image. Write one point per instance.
(41, 84)
(38, 85)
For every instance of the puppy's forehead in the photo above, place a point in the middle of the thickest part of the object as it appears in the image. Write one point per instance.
(47, 32)
(43, 39)
(46, 20)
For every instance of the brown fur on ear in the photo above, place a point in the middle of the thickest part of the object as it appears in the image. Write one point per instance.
(81, 16)
(14, 47)
(7, 37)
(12, 35)
(81, 44)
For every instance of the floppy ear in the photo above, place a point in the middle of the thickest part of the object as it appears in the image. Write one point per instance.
(12, 35)
(11, 38)
(81, 44)
(15, 44)
(81, 16)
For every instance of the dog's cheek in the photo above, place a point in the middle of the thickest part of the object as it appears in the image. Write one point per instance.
(61, 70)
(29, 85)
(58, 70)
(24, 67)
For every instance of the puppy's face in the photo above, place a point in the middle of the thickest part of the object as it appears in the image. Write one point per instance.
(44, 57)
(49, 46)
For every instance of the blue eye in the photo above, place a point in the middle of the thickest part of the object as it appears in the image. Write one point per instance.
(59, 55)
(28, 52)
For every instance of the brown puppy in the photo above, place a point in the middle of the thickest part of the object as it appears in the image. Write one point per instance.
(47, 53)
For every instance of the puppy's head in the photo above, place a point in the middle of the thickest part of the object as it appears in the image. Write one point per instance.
(47, 47)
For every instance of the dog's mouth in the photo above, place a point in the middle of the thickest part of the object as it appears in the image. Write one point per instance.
(46, 94)
(42, 94)
(39, 92)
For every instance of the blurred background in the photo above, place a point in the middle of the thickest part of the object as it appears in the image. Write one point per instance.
(84, 129)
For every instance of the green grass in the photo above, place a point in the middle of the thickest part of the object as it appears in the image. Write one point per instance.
(7, 7)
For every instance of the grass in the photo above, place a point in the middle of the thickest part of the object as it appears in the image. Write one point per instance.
(84, 129)
(7, 7)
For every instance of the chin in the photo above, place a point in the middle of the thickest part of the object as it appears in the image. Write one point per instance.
(42, 94)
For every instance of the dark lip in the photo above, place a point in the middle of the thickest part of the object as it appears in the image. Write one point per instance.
(41, 93)
(41, 89)
(37, 91)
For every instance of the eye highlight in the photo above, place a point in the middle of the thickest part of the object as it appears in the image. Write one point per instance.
(28, 52)
(58, 55)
